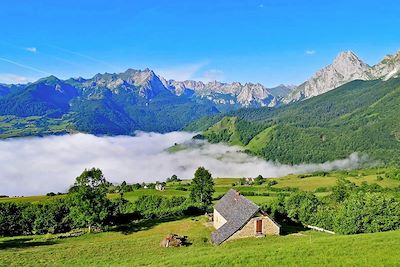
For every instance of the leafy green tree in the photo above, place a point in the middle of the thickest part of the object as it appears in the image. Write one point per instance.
(301, 207)
(89, 202)
(123, 188)
(342, 189)
(50, 217)
(259, 180)
(367, 213)
(10, 219)
(202, 187)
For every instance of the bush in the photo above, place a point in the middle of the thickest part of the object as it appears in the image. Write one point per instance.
(26, 219)
(321, 190)
(367, 213)
(393, 174)
(301, 207)
(159, 207)
(181, 188)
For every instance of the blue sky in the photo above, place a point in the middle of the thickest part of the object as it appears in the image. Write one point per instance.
(266, 41)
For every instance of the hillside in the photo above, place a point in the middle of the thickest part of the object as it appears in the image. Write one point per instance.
(360, 116)
(120, 103)
(121, 243)
(103, 105)
(137, 246)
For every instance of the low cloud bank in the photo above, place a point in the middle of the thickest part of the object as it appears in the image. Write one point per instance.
(39, 165)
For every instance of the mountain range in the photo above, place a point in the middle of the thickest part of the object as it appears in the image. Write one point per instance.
(122, 103)
(359, 116)
(345, 68)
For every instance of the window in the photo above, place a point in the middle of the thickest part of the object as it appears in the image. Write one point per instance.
(259, 226)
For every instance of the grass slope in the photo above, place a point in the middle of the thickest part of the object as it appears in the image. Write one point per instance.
(361, 116)
(141, 248)
(311, 182)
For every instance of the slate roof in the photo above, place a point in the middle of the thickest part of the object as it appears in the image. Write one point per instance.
(237, 211)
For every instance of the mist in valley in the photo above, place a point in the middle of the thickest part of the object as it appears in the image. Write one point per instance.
(37, 165)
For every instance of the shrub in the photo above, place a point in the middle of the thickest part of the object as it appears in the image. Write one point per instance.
(159, 207)
(301, 207)
(321, 190)
(367, 213)
(181, 188)
(393, 173)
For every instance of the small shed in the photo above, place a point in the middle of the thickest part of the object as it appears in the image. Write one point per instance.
(237, 217)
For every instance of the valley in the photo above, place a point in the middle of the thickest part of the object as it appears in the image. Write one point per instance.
(199, 133)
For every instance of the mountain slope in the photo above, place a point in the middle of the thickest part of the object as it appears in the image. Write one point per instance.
(361, 116)
(345, 68)
(106, 104)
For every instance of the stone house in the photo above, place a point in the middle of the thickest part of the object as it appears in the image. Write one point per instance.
(237, 217)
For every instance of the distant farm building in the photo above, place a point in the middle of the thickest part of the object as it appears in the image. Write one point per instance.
(249, 180)
(160, 187)
(237, 217)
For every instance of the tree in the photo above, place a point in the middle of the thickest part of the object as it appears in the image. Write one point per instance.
(202, 187)
(302, 206)
(259, 180)
(173, 178)
(89, 202)
(123, 188)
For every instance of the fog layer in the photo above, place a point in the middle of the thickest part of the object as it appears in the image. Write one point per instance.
(38, 165)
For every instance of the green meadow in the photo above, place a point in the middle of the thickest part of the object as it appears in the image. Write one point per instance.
(310, 182)
(137, 244)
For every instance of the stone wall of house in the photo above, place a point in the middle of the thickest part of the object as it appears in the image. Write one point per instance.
(218, 220)
(247, 231)
(269, 227)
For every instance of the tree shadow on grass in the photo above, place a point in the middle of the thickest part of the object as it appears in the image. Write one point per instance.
(24, 243)
(289, 228)
(144, 224)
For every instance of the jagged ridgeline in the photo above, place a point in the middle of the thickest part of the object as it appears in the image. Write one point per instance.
(360, 116)
(121, 103)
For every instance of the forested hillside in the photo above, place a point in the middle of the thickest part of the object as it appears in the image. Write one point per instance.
(361, 116)
(54, 106)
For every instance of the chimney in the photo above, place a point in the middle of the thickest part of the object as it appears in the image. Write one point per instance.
(237, 195)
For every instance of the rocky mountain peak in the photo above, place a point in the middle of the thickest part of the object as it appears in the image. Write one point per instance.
(346, 67)
(389, 67)
(346, 56)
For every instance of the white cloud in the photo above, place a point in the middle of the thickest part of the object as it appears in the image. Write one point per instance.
(310, 52)
(9, 78)
(31, 49)
(181, 72)
(42, 164)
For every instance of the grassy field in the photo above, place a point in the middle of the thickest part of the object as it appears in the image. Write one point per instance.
(309, 183)
(12, 126)
(138, 244)
(132, 247)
